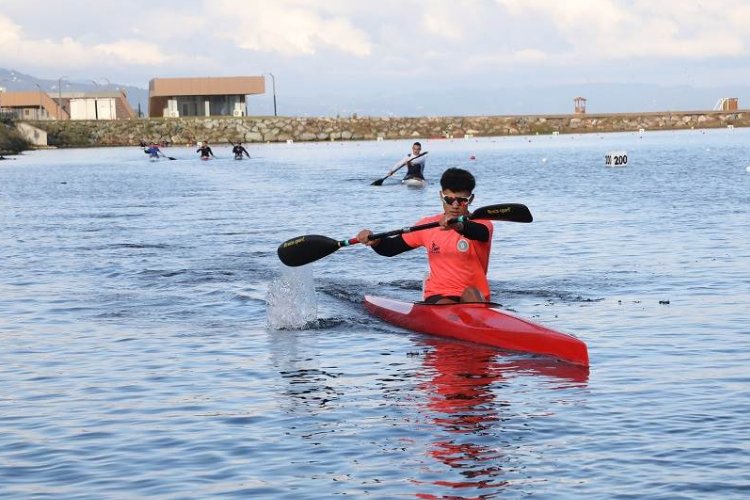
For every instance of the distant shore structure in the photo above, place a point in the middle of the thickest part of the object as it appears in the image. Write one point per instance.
(39, 105)
(579, 105)
(202, 97)
(727, 104)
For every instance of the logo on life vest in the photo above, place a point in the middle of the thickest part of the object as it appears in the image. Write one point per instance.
(462, 245)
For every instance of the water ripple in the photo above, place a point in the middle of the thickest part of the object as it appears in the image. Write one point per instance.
(153, 345)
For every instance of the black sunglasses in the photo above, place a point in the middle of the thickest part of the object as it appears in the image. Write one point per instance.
(462, 200)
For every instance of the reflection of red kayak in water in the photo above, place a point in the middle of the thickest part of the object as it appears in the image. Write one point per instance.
(481, 323)
(464, 398)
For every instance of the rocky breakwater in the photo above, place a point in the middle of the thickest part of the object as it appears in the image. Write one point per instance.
(282, 129)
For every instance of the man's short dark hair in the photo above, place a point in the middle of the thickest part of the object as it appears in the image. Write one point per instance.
(457, 179)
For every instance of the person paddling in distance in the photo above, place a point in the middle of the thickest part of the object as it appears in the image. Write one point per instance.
(153, 151)
(239, 150)
(205, 151)
(414, 166)
(458, 254)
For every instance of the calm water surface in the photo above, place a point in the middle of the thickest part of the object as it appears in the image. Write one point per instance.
(153, 345)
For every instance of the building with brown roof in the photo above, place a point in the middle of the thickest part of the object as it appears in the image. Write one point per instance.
(207, 96)
(38, 105)
(31, 105)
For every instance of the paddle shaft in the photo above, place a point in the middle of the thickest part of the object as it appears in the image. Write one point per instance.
(410, 229)
(309, 248)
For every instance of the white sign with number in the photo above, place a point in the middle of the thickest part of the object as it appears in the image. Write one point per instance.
(616, 159)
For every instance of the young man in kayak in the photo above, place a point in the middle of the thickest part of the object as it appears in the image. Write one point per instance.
(458, 254)
(238, 150)
(415, 166)
(153, 151)
(205, 151)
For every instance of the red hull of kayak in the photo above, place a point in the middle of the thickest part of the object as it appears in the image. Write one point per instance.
(484, 324)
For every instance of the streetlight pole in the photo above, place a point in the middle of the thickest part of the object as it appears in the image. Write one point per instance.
(2, 90)
(96, 103)
(273, 86)
(39, 112)
(59, 96)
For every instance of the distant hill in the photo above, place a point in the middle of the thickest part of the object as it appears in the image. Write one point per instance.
(469, 100)
(17, 81)
(496, 100)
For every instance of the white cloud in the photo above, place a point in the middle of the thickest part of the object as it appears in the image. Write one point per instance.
(69, 53)
(440, 40)
(9, 31)
(290, 28)
(611, 29)
(131, 52)
(442, 24)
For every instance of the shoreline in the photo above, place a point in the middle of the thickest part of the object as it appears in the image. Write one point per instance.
(224, 130)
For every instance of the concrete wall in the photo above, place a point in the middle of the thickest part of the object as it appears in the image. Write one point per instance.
(34, 135)
(280, 129)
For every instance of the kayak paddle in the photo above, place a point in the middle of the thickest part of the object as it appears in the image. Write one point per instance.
(309, 248)
(379, 182)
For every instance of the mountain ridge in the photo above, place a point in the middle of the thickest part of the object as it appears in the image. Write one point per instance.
(466, 100)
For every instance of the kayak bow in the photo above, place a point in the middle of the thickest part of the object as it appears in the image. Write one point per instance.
(480, 323)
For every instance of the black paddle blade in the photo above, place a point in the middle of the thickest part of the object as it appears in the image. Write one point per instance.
(378, 182)
(305, 249)
(511, 212)
(171, 157)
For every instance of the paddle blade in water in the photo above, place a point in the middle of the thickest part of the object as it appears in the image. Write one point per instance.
(305, 249)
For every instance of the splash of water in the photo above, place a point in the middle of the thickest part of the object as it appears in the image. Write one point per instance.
(291, 301)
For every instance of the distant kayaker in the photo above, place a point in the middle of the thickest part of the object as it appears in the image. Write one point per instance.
(153, 151)
(458, 254)
(239, 150)
(415, 166)
(205, 151)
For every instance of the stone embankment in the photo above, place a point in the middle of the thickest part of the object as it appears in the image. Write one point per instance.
(281, 129)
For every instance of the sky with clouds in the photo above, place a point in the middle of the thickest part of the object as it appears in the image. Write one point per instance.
(359, 47)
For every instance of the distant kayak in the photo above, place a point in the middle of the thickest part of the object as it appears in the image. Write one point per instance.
(414, 182)
(205, 158)
(480, 323)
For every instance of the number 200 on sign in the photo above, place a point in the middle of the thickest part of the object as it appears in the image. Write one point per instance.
(616, 159)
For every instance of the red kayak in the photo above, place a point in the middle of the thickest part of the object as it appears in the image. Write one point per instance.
(480, 323)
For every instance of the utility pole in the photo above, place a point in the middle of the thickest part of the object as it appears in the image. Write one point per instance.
(59, 96)
(273, 86)
(39, 112)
